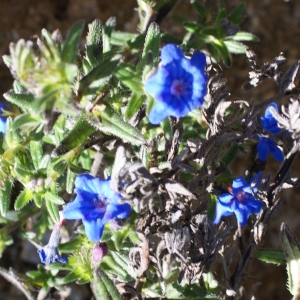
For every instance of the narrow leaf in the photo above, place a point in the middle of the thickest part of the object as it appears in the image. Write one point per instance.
(127, 75)
(103, 69)
(236, 16)
(5, 196)
(134, 104)
(22, 100)
(150, 55)
(53, 211)
(292, 253)
(112, 123)
(70, 46)
(222, 49)
(75, 137)
(99, 289)
(271, 256)
(24, 197)
(36, 152)
(94, 46)
(108, 29)
(244, 36)
(110, 286)
(52, 197)
(235, 47)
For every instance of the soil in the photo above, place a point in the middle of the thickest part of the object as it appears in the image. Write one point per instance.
(275, 22)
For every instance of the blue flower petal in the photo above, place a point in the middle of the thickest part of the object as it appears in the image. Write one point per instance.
(225, 198)
(268, 122)
(263, 149)
(171, 52)
(199, 60)
(221, 210)
(239, 184)
(93, 229)
(277, 154)
(120, 211)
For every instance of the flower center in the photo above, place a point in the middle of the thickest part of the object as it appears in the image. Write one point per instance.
(240, 196)
(101, 203)
(179, 88)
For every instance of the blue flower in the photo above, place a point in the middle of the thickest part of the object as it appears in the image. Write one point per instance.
(240, 202)
(268, 122)
(178, 85)
(95, 204)
(49, 254)
(267, 146)
(2, 121)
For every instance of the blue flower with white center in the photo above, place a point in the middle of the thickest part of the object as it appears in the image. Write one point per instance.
(268, 122)
(178, 85)
(49, 254)
(267, 146)
(240, 201)
(95, 204)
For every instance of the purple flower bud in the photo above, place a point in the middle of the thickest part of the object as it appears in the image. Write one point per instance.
(98, 252)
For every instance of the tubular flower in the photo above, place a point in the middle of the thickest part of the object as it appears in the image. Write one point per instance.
(95, 204)
(267, 146)
(240, 202)
(178, 85)
(49, 254)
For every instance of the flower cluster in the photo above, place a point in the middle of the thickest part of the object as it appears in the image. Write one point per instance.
(95, 204)
(240, 201)
(178, 85)
(267, 146)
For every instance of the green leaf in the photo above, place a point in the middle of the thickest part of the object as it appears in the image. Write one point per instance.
(69, 49)
(108, 29)
(37, 198)
(127, 75)
(94, 46)
(73, 245)
(102, 70)
(222, 49)
(52, 197)
(25, 119)
(292, 253)
(244, 36)
(24, 197)
(183, 291)
(112, 123)
(210, 31)
(201, 10)
(71, 277)
(109, 285)
(5, 196)
(36, 151)
(134, 104)
(236, 16)
(109, 264)
(75, 137)
(235, 47)
(230, 154)
(120, 38)
(271, 256)
(99, 289)
(70, 181)
(24, 101)
(53, 211)
(150, 55)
